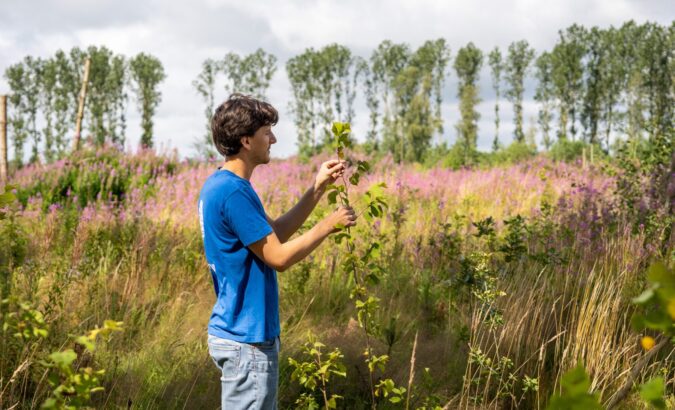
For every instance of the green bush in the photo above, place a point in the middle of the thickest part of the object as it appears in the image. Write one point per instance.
(514, 153)
(568, 151)
(90, 175)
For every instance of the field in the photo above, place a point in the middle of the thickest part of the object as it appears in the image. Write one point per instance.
(506, 277)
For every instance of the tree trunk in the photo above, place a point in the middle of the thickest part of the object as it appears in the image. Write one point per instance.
(80, 106)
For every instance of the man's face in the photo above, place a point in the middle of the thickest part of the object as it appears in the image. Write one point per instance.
(261, 142)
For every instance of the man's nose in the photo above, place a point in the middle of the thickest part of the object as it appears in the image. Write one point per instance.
(273, 140)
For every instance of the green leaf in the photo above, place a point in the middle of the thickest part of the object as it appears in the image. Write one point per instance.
(658, 320)
(63, 359)
(332, 197)
(339, 373)
(337, 128)
(652, 392)
(644, 297)
(576, 381)
(86, 342)
(7, 198)
(375, 250)
(373, 279)
(638, 322)
(362, 166)
(50, 403)
(658, 273)
(113, 325)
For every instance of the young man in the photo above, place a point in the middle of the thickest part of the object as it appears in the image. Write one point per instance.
(244, 249)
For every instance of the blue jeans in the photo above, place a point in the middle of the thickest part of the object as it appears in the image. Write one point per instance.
(249, 373)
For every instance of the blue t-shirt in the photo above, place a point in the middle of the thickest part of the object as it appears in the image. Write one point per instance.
(232, 217)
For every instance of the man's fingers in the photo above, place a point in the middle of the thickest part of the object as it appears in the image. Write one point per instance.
(334, 163)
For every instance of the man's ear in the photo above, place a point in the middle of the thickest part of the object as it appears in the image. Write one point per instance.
(245, 142)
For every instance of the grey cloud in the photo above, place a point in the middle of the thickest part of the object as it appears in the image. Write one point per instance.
(183, 34)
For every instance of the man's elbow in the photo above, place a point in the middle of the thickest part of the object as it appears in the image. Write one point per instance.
(279, 264)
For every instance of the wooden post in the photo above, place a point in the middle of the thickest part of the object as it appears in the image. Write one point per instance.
(591, 154)
(583, 158)
(80, 105)
(3, 140)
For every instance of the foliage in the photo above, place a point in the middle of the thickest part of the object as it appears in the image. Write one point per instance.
(317, 373)
(544, 96)
(566, 150)
(13, 240)
(401, 86)
(45, 91)
(575, 392)
(364, 266)
(90, 175)
(468, 64)
(517, 63)
(496, 62)
(440, 268)
(658, 301)
(74, 385)
(324, 86)
(146, 74)
(247, 74)
(250, 74)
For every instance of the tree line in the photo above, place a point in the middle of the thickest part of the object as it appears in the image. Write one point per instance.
(43, 99)
(592, 84)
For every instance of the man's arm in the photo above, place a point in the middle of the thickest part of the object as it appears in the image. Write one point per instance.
(289, 223)
(281, 256)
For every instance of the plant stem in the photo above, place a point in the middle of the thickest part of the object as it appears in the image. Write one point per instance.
(358, 282)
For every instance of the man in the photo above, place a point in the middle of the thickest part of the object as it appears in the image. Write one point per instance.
(244, 249)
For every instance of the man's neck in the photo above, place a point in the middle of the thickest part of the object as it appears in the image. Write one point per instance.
(239, 166)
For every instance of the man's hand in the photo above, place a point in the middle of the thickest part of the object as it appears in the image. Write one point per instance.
(329, 172)
(342, 217)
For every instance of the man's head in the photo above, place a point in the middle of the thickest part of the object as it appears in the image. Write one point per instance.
(242, 117)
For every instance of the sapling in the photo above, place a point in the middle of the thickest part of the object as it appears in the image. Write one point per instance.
(363, 266)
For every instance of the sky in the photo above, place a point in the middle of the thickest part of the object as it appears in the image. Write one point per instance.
(183, 34)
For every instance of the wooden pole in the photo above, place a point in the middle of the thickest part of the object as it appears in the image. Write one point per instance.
(583, 158)
(80, 105)
(3, 140)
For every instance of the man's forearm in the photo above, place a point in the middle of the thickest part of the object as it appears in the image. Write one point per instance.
(287, 224)
(297, 249)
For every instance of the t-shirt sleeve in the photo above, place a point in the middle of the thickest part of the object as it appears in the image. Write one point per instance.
(246, 217)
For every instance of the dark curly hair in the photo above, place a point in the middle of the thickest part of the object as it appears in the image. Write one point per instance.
(239, 116)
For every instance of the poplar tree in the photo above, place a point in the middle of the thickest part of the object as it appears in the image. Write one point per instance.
(544, 96)
(496, 68)
(594, 82)
(656, 54)
(613, 82)
(467, 64)
(324, 88)
(205, 85)
(18, 79)
(517, 62)
(146, 74)
(409, 86)
(387, 61)
(48, 82)
(568, 77)
(250, 74)
(65, 101)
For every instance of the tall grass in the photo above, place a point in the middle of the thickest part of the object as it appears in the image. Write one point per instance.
(131, 251)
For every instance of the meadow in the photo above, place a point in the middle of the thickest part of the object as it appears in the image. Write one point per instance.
(492, 283)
